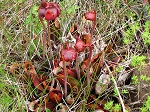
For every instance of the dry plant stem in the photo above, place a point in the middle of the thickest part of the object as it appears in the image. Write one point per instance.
(90, 53)
(65, 78)
(94, 25)
(115, 83)
(88, 68)
(77, 66)
(49, 37)
(44, 39)
(52, 85)
(76, 103)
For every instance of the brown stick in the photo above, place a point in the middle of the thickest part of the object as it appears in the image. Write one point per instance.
(44, 39)
(65, 78)
(49, 37)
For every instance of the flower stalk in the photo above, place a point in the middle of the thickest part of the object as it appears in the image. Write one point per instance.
(91, 15)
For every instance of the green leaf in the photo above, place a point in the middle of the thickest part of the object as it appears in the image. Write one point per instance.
(118, 69)
(135, 27)
(143, 77)
(124, 91)
(143, 109)
(115, 92)
(117, 107)
(34, 10)
(137, 61)
(5, 99)
(2, 71)
(147, 25)
(146, 37)
(48, 110)
(108, 105)
(134, 79)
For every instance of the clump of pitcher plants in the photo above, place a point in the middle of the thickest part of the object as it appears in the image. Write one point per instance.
(70, 74)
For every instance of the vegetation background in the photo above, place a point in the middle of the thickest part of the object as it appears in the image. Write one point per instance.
(124, 24)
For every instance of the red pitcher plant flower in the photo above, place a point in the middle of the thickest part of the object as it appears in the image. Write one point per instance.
(49, 11)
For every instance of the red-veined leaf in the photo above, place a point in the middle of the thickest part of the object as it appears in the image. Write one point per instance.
(55, 96)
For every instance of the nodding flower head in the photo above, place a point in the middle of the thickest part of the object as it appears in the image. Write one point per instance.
(68, 54)
(44, 4)
(51, 14)
(42, 9)
(91, 15)
(49, 10)
(80, 45)
(55, 5)
(42, 12)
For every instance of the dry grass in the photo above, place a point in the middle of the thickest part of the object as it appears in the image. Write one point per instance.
(21, 40)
